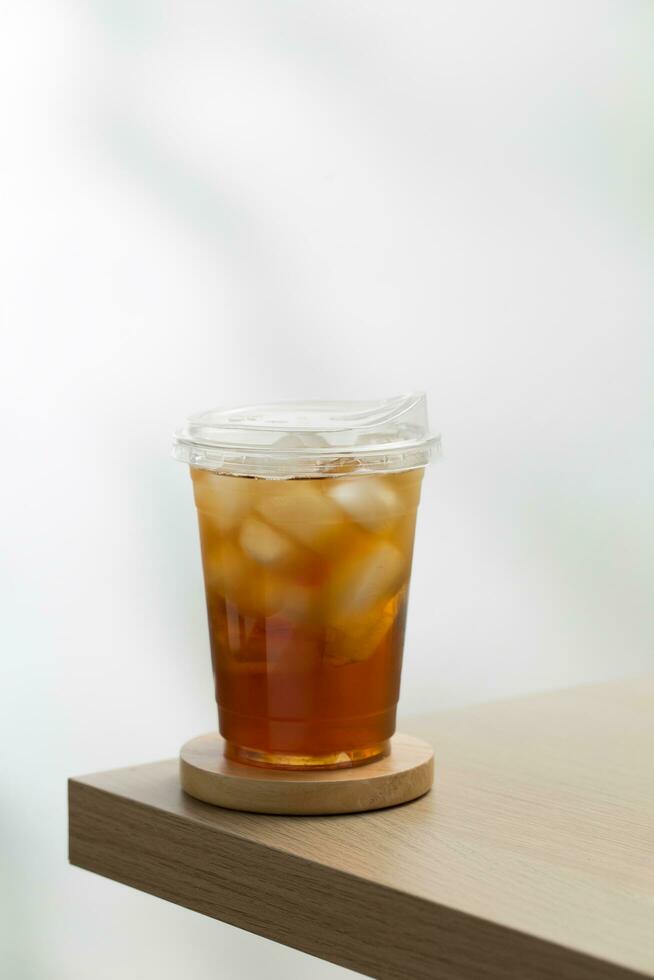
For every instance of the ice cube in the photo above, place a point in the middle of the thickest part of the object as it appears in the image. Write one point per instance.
(239, 580)
(360, 583)
(295, 601)
(402, 533)
(368, 500)
(226, 498)
(264, 544)
(303, 511)
(226, 569)
(360, 640)
(289, 441)
(407, 485)
(300, 440)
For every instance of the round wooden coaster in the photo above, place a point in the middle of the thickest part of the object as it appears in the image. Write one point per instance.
(405, 774)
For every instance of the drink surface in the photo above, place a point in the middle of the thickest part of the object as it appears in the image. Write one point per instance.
(307, 586)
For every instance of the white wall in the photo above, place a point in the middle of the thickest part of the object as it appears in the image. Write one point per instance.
(214, 202)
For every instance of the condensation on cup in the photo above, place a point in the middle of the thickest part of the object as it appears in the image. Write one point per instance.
(307, 515)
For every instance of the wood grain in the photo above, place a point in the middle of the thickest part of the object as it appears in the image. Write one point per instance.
(533, 857)
(404, 775)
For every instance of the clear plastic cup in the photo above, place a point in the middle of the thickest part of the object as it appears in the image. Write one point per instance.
(307, 516)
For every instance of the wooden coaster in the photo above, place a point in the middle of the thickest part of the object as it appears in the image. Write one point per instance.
(405, 774)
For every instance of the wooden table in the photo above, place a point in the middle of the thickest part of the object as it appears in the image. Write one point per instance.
(532, 857)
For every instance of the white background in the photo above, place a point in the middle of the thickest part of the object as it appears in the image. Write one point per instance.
(215, 202)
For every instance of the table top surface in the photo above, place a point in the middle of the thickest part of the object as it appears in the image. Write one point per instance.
(541, 820)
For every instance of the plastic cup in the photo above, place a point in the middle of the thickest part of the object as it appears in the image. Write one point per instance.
(307, 515)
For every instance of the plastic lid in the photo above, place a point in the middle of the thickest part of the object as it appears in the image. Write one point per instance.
(310, 439)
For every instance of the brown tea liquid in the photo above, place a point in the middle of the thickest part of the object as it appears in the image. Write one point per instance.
(307, 586)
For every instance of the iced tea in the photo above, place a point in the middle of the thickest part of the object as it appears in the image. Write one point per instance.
(307, 586)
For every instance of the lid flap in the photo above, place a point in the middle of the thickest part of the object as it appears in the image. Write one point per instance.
(313, 438)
